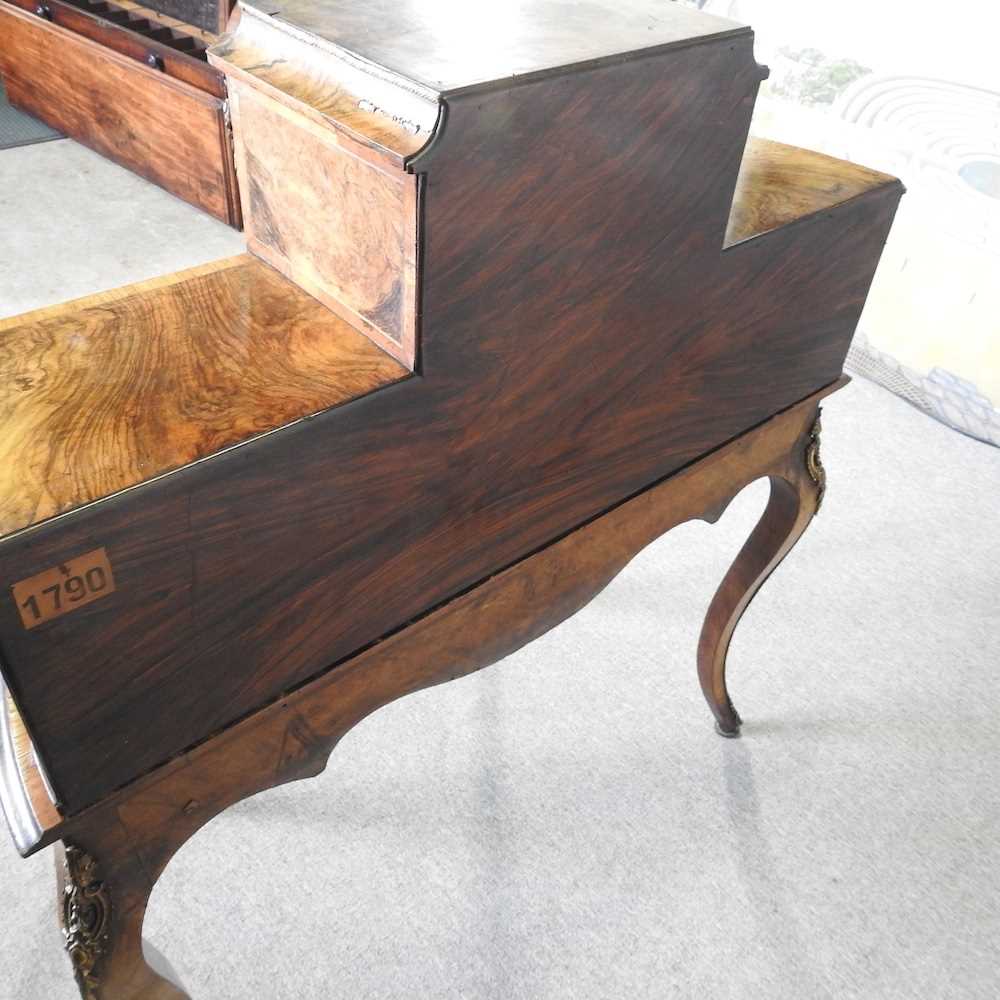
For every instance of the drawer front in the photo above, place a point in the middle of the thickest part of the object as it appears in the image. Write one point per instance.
(162, 129)
(176, 52)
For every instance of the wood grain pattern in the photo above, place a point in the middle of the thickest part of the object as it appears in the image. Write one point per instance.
(140, 38)
(779, 184)
(583, 335)
(487, 42)
(133, 834)
(122, 109)
(366, 107)
(112, 390)
(339, 226)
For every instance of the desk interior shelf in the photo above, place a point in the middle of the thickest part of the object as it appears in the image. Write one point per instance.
(104, 393)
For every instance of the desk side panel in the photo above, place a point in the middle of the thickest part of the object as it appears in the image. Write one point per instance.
(584, 335)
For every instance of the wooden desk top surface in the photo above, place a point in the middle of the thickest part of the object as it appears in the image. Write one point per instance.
(106, 392)
(453, 47)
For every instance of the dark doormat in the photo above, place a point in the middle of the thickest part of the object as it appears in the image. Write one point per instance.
(19, 129)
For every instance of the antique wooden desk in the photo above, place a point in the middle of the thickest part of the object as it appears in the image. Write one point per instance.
(520, 298)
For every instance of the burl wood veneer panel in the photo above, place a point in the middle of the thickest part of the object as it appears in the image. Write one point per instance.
(376, 112)
(162, 128)
(779, 184)
(584, 334)
(340, 226)
(106, 392)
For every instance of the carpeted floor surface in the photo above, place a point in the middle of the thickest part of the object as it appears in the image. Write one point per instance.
(567, 826)
(20, 129)
(73, 223)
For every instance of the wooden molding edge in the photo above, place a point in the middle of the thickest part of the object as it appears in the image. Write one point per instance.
(24, 797)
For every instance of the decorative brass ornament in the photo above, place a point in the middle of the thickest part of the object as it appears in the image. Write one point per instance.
(814, 464)
(86, 918)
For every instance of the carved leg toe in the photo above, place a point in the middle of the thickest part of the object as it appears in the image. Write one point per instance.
(730, 729)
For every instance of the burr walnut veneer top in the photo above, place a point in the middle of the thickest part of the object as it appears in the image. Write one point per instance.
(106, 392)
(780, 184)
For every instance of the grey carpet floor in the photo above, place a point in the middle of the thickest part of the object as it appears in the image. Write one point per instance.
(567, 826)
(20, 129)
(73, 223)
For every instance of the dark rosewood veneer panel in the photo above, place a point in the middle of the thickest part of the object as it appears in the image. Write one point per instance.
(584, 331)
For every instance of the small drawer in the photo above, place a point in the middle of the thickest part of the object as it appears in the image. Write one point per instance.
(162, 128)
(175, 49)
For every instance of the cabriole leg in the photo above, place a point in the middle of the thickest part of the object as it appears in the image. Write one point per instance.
(102, 902)
(796, 494)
